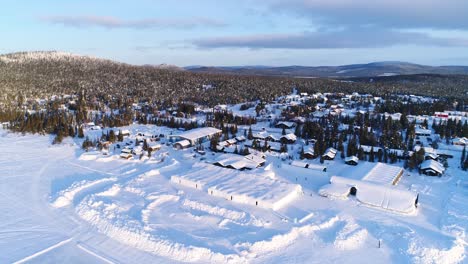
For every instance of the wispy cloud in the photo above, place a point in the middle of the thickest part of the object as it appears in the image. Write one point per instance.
(348, 38)
(437, 14)
(114, 22)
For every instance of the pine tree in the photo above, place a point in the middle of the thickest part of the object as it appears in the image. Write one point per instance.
(250, 134)
(371, 155)
(80, 132)
(112, 136)
(58, 138)
(463, 158)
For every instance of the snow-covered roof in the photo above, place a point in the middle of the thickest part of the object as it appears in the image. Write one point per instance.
(183, 143)
(197, 133)
(422, 131)
(460, 141)
(369, 193)
(432, 164)
(239, 162)
(384, 174)
(352, 158)
(301, 164)
(289, 137)
(286, 123)
(253, 189)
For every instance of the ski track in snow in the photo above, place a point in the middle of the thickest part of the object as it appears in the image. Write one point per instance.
(37, 254)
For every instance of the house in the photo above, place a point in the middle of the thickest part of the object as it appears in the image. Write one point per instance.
(352, 160)
(126, 153)
(460, 141)
(182, 144)
(240, 139)
(272, 138)
(153, 146)
(431, 168)
(125, 132)
(422, 132)
(431, 156)
(309, 153)
(285, 125)
(330, 154)
(288, 138)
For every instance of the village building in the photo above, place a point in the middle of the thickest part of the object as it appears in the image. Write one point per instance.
(285, 125)
(288, 138)
(195, 135)
(307, 165)
(376, 188)
(182, 144)
(352, 160)
(431, 168)
(330, 154)
(460, 141)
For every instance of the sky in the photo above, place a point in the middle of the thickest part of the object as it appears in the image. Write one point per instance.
(242, 32)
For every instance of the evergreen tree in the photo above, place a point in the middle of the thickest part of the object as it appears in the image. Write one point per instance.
(214, 143)
(371, 155)
(297, 131)
(112, 136)
(80, 132)
(120, 137)
(463, 158)
(250, 134)
(58, 138)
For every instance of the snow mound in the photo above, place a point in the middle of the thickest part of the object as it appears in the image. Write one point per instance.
(137, 238)
(67, 196)
(351, 237)
(429, 255)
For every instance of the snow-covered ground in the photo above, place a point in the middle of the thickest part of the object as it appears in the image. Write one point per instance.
(61, 205)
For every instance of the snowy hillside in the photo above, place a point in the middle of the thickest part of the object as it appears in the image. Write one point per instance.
(24, 57)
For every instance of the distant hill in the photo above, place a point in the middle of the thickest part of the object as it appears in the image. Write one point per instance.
(388, 68)
(41, 74)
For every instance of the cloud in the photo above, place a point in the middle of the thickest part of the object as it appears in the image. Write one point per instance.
(113, 22)
(436, 14)
(348, 38)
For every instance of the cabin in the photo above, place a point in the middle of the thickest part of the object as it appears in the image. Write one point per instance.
(288, 139)
(309, 154)
(422, 132)
(431, 168)
(285, 125)
(352, 160)
(431, 156)
(153, 147)
(126, 153)
(460, 141)
(182, 144)
(125, 132)
(330, 154)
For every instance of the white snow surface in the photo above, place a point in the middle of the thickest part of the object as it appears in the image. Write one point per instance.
(61, 205)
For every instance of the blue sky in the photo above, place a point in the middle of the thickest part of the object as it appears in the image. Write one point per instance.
(242, 32)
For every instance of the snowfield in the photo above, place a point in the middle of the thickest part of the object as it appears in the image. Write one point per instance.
(61, 205)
